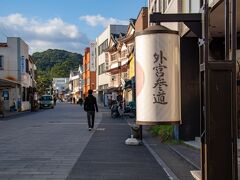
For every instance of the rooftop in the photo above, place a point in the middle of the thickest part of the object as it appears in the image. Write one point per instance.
(3, 45)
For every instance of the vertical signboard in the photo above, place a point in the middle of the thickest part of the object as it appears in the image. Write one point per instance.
(92, 57)
(158, 78)
(23, 65)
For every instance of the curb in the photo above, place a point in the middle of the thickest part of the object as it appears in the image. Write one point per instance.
(185, 158)
(17, 115)
(167, 170)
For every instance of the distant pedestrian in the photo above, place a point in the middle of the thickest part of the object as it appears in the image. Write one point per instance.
(55, 100)
(80, 101)
(90, 106)
(1, 106)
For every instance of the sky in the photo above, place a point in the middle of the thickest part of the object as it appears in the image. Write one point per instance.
(63, 24)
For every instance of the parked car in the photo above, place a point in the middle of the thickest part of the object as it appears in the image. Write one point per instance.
(47, 101)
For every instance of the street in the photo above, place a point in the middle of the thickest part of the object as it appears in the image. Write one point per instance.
(55, 144)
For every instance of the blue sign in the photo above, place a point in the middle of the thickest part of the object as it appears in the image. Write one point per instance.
(22, 65)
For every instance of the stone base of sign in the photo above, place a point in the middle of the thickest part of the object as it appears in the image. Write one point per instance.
(132, 141)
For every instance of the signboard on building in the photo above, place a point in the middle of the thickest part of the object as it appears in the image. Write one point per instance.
(158, 78)
(23, 70)
(92, 57)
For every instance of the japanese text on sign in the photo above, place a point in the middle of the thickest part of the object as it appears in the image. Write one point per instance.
(160, 83)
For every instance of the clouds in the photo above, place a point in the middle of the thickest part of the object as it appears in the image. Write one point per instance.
(96, 20)
(54, 33)
(41, 35)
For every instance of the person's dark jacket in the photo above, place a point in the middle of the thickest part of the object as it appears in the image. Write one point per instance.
(90, 103)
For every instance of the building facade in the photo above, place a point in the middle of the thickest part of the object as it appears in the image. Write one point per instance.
(89, 70)
(102, 60)
(75, 86)
(17, 74)
(189, 60)
(190, 94)
(118, 66)
(60, 87)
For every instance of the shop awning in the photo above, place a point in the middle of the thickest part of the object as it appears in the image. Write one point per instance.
(6, 83)
(113, 89)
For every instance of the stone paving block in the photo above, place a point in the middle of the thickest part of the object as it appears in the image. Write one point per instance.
(31, 142)
(107, 157)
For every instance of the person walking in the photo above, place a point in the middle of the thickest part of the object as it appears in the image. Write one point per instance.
(2, 107)
(80, 101)
(90, 106)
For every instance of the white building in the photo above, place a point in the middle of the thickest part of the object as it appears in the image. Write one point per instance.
(102, 42)
(60, 86)
(17, 77)
(75, 84)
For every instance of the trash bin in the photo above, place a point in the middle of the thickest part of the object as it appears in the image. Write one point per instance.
(136, 131)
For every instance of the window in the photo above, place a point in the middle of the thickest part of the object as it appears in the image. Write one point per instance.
(106, 60)
(23, 94)
(113, 78)
(114, 57)
(123, 53)
(106, 57)
(1, 62)
(88, 81)
(125, 75)
(46, 98)
(101, 69)
(103, 47)
(27, 65)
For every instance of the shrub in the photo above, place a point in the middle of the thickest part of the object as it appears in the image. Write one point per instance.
(164, 131)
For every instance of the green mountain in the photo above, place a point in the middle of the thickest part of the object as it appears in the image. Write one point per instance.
(54, 63)
(46, 60)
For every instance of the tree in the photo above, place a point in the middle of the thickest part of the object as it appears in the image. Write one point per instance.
(54, 63)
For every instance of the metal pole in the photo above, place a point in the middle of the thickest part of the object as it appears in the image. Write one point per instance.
(227, 27)
(205, 103)
(141, 136)
(234, 85)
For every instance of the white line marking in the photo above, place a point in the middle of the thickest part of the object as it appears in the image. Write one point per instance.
(167, 170)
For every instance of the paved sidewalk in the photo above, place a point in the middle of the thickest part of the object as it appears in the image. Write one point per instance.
(8, 114)
(107, 157)
(179, 166)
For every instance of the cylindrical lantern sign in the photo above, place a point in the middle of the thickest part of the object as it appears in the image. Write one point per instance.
(157, 76)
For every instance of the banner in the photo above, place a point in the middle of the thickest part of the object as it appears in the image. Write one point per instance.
(92, 57)
(158, 78)
(23, 64)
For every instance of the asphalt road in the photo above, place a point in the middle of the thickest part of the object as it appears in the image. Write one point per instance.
(55, 144)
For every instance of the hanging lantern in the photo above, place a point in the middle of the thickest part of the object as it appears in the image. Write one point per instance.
(157, 76)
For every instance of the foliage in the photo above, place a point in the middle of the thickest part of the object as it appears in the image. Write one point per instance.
(164, 131)
(54, 63)
(47, 59)
(43, 81)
